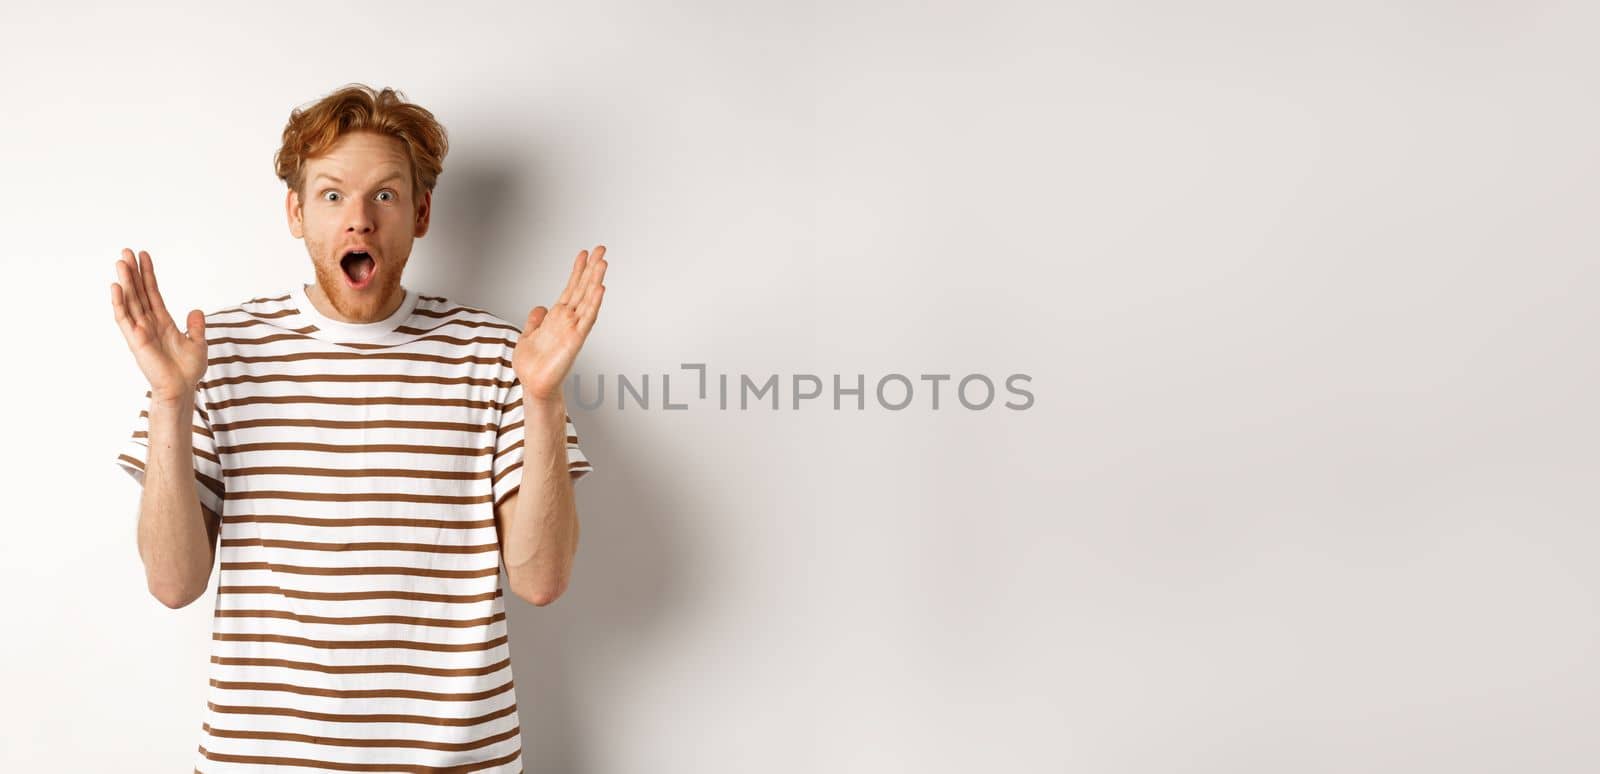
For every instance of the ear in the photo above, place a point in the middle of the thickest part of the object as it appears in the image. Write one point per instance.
(291, 205)
(424, 211)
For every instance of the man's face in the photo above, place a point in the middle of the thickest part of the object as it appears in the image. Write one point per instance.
(358, 196)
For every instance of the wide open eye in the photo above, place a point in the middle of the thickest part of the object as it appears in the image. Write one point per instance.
(326, 194)
(389, 193)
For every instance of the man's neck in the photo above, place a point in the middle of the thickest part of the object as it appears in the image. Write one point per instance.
(325, 307)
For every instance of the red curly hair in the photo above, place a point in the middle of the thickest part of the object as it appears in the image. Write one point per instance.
(313, 130)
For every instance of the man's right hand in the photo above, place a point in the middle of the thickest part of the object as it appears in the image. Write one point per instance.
(173, 361)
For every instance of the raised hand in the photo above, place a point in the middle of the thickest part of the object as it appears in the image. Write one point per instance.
(173, 361)
(552, 337)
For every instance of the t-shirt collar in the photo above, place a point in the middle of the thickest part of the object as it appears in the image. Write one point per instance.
(334, 330)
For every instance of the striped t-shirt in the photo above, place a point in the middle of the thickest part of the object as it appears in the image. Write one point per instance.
(360, 619)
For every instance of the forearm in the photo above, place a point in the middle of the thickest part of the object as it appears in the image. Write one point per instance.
(173, 539)
(542, 535)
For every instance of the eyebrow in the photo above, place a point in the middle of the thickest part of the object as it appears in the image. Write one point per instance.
(320, 175)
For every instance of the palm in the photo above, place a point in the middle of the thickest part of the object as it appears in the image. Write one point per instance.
(172, 360)
(552, 337)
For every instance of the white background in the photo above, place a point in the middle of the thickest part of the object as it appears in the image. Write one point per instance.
(1306, 291)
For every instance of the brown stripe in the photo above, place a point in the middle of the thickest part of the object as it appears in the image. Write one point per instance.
(499, 455)
(210, 483)
(509, 492)
(266, 315)
(261, 340)
(293, 569)
(197, 409)
(410, 357)
(145, 415)
(463, 322)
(197, 450)
(442, 337)
(306, 545)
(452, 310)
(514, 407)
(426, 720)
(364, 669)
(363, 620)
(408, 473)
(515, 466)
(264, 299)
(333, 741)
(380, 400)
(371, 521)
(347, 596)
(272, 760)
(357, 497)
(365, 424)
(361, 693)
(459, 308)
(460, 451)
(438, 647)
(515, 425)
(214, 485)
(295, 333)
(419, 310)
(519, 423)
(353, 379)
(572, 467)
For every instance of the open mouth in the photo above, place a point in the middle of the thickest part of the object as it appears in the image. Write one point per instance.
(358, 268)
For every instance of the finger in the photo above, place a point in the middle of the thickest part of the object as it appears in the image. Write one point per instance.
(158, 307)
(126, 292)
(136, 273)
(596, 259)
(197, 326)
(559, 314)
(590, 302)
(130, 293)
(591, 312)
(572, 279)
(597, 274)
(576, 292)
(119, 310)
(535, 318)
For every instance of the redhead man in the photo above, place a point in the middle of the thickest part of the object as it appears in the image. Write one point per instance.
(359, 459)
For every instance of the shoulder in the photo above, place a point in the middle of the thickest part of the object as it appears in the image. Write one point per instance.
(477, 322)
(253, 311)
(253, 305)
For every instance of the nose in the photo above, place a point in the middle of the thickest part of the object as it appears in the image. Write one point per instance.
(357, 218)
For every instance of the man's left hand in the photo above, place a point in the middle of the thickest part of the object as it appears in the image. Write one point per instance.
(552, 337)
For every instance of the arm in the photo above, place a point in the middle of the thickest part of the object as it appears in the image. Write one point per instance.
(176, 544)
(539, 532)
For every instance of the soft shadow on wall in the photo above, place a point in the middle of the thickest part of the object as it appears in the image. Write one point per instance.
(629, 562)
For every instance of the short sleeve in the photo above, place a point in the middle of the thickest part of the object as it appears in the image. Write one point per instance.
(208, 476)
(508, 447)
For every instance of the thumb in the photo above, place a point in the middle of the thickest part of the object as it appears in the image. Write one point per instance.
(536, 317)
(197, 326)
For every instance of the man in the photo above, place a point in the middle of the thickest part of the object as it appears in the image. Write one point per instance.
(369, 457)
